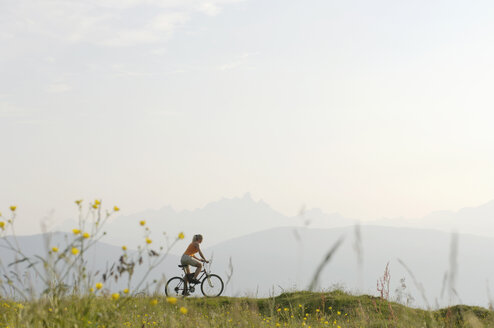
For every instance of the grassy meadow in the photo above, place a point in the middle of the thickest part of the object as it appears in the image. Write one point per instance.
(297, 309)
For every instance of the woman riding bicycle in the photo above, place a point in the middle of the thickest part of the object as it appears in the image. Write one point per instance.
(188, 258)
(211, 284)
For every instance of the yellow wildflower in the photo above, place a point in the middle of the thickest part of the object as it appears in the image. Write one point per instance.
(78, 202)
(171, 300)
(91, 289)
(154, 301)
(97, 202)
(142, 222)
(148, 241)
(13, 208)
(75, 251)
(99, 285)
(116, 209)
(181, 235)
(126, 291)
(54, 249)
(115, 296)
(76, 231)
(124, 248)
(95, 206)
(86, 235)
(183, 310)
(2, 224)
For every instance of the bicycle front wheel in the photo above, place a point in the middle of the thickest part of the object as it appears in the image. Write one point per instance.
(212, 286)
(175, 287)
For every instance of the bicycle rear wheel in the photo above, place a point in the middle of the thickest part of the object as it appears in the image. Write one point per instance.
(175, 287)
(212, 286)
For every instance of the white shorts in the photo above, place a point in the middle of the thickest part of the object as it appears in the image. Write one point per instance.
(189, 260)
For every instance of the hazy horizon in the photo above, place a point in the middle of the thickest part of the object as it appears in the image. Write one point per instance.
(260, 215)
(370, 110)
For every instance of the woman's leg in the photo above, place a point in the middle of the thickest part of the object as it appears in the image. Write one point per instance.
(187, 275)
(193, 262)
(198, 270)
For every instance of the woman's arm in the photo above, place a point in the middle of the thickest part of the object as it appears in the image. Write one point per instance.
(203, 257)
(201, 260)
(200, 253)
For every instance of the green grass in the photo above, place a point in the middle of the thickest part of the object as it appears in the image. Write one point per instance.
(297, 309)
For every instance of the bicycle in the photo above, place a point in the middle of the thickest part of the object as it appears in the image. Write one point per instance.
(211, 284)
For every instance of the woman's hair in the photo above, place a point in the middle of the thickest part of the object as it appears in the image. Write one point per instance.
(196, 238)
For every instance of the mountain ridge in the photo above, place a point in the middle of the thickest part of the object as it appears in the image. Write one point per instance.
(232, 217)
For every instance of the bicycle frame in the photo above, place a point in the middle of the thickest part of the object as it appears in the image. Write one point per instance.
(206, 271)
(205, 279)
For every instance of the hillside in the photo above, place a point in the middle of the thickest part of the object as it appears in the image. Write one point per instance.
(332, 309)
(100, 258)
(282, 259)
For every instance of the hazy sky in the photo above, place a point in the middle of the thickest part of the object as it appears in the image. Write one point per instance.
(368, 108)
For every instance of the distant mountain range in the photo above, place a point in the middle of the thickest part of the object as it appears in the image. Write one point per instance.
(473, 220)
(218, 221)
(230, 218)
